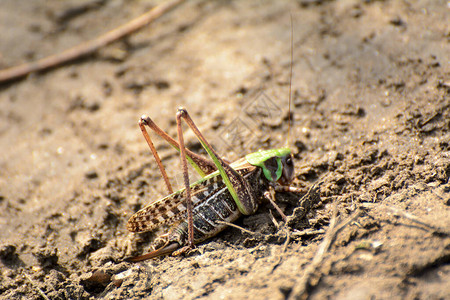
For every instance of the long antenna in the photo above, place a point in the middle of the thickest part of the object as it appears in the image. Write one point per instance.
(290, 81)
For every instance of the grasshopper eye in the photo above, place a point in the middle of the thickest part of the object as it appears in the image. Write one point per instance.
(289, 161)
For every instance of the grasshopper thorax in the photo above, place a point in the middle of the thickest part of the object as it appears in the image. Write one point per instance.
(277, 164)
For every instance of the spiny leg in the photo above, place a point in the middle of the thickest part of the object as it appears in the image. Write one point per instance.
(155, 155)
(201, 165)
(164, 250)
(190, 219)
(299, 212)
(270, 195)
(276, 187)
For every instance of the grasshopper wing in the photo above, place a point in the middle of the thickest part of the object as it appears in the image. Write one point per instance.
(171, 209)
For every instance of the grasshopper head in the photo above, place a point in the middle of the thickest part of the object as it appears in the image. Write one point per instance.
(277, 164)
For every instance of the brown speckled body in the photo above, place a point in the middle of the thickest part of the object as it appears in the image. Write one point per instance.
(212, 202)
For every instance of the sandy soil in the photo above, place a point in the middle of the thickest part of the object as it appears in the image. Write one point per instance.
(370, 117)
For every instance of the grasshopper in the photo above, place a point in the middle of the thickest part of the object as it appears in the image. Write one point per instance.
(226, 191)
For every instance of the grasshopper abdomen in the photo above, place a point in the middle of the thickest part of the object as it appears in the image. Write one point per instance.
(218, 208)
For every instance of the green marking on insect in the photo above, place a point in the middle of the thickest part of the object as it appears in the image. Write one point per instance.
(224, 175)
(258, 159)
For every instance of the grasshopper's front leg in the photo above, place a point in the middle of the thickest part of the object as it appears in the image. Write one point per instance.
(310, 197)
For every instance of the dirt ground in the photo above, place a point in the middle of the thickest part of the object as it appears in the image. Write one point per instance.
(370, 117)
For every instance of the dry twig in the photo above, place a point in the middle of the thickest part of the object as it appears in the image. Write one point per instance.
(90, 46)
(300, 289)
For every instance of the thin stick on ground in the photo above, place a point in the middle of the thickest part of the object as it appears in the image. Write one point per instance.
(90, 46)
(301, 287)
